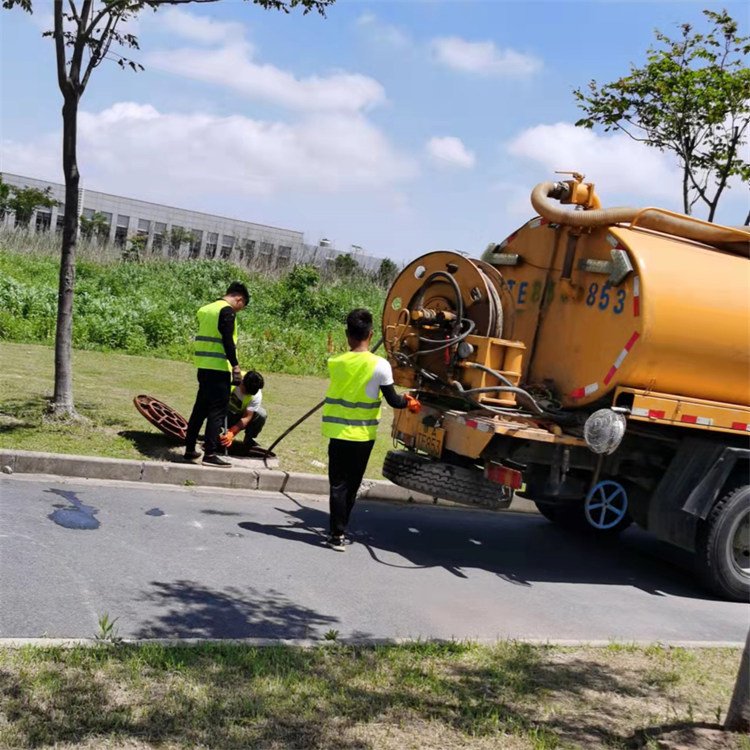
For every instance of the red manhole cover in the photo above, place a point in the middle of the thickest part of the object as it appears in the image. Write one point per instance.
(162, 416)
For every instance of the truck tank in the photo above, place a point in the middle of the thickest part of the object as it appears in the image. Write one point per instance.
(619, 306)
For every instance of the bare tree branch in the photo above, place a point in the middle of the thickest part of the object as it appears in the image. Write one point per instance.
(103, 45)
(73, 11)
(62, 79)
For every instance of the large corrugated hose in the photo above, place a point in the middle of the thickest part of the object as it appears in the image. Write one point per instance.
(543, 196)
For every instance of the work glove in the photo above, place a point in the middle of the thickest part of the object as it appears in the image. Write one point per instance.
(227, 438)
(414, 405)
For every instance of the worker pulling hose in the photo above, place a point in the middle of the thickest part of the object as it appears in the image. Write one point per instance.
(306, 416)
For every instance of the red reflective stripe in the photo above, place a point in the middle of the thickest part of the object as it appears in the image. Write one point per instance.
(655, 414)
(578, 393)
(739, 425)
(610, 375)
(632, 341)
(636, 296)
(472, 423)
(689, 418)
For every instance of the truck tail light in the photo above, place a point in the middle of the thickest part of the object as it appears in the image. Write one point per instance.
(503, 475)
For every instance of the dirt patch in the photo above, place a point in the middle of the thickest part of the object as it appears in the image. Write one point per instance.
(693, 738)
(418, 734)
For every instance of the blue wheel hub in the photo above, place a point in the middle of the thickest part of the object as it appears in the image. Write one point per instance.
(606, 504)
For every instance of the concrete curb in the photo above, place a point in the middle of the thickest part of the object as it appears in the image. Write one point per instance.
(191, 475)
(315, 643)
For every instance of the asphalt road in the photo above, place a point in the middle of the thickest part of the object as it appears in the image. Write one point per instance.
(187, 562)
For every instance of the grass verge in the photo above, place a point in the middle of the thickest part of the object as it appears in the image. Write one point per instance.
(449, 696)
(104, 387)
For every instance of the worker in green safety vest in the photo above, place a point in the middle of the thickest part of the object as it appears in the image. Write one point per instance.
(246, 411)
(351, 414)
(215, 356)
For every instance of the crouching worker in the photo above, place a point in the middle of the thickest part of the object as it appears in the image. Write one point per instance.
(245, 411)
(351, 414)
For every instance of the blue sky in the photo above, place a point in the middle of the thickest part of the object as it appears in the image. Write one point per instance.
(401, 127)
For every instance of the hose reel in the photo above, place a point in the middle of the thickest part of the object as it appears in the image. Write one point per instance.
(443, 316)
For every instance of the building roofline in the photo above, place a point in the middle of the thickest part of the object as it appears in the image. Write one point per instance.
(154, 203)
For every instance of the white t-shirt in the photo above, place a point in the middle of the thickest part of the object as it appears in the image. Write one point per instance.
(383, 375)
(236, 400)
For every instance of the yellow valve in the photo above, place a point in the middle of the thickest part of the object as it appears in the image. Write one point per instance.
(580, 193)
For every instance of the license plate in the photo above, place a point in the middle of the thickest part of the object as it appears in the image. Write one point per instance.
(430, 440)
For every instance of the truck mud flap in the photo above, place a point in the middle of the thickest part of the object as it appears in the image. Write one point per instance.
(689, 489)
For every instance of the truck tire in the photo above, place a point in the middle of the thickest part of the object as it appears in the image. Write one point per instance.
(458, 484)
(723, 549)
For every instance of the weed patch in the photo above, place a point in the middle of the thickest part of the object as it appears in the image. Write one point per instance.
(149, 308)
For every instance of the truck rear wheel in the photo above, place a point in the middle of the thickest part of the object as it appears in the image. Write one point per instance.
(459, 484)
(723, 550)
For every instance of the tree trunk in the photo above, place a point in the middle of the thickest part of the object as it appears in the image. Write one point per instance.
(63, 400)
(685, 192)
(738, 715)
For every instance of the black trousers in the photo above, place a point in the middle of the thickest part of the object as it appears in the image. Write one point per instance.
(210, 405)
(347, 461)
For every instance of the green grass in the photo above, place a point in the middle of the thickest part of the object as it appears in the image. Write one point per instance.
(104, 387)
(148, 308)
(424, 695)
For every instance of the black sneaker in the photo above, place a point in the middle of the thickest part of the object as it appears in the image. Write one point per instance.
(337, 543)
(192, 455)
(217, 461)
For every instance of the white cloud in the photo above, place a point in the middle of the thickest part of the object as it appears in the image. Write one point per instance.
(450, 150)
(135, 149)
(41, 159)
(616, 163)
(383, 33)
(202, 29)
(232, 64)
(483, 58)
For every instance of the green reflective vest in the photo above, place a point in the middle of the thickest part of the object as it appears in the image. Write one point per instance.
(238, 405)
(208, 349)
(348, 412)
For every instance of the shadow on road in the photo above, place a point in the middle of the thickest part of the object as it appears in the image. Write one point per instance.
(522, 549)
(192, 610)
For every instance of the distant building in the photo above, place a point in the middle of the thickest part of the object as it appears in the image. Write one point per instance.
(179, 233)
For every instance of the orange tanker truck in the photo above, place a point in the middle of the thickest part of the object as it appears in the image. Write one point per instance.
(598, 361)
